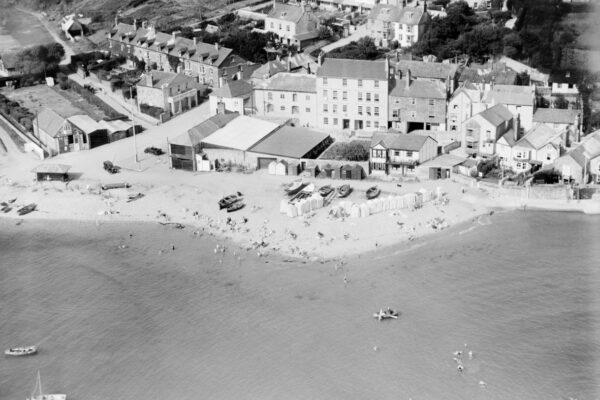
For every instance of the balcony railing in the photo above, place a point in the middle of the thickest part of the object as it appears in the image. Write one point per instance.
(403, 161)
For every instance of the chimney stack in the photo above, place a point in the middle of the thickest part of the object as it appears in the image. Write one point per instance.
(116, 20)
(240, 75)
(173, 35)
(221, 81)
(320, 59)
(220, 107)
(577, 127)
(149, 79)
(135, 24)
(144, 24)
(387, 67)
(217, 46)
(289, 63)
(407, 78)
(516, 127)
(195, 39)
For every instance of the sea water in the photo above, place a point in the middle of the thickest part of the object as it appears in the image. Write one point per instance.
(129, 317)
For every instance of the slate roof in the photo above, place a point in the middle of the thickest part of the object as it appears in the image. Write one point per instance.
(485, 74)
(160, 78)
(539, 136)
(385, 13)
(85, 123)
(241, 133)
(400, 141)
(419, 89)
(50, 122)
(52, 169)
(297, 61)
(201, 131)
(421, 69)
(290, 82)
(164, 43)
(287, 141)
(286, 12)
(496, 115)
(511, 94)
(353, 69)
(555, 116)
(9, 60)
(233, 89)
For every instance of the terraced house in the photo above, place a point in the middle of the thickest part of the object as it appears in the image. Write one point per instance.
(353, 94)
(210, 64)
(294, 24)
(387, 23)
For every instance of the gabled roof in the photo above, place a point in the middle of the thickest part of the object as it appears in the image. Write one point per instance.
(52, 169)
(353, 69)
(296, 62)
(286, 81)
(496, 115)
(50, 122)
(488, 74)
(511, 94)
(412, 15)
(287, 141)
(286, 12)
(233, 89)
(399, 141)
(473, 94)
(113, 126)
(419, 89)
(9, 60)
(539, 136)
(386, 13)
(85, 123)
(509, 138)
(160, 78)
(240, 134)
(165, 44)
(555, 116)
(199, 132)
(421, 69)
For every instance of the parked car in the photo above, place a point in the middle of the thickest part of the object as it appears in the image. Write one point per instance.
(153, 150)
(110, 167)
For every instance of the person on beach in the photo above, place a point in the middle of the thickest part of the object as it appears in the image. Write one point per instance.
(173, 247)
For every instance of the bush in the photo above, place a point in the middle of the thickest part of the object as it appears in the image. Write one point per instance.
(93, 99)
(64, 85)
(356, 150)
(151, 110)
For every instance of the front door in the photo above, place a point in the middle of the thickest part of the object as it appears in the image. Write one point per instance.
(345, 124)
(358, 124)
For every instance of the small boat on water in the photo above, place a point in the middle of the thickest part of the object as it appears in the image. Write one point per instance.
(238, 205)
(119, 185)
(226, 201)
(386, 314)
(344, 191)
(326, 190)
(134, 197)
(294, 187)
(41, 395)
(373, 192)
(21, 351)
(27, 209)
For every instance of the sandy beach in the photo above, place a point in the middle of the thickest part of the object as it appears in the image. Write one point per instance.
(173, 196)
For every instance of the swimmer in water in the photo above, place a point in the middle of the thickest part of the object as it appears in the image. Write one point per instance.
(460, 368)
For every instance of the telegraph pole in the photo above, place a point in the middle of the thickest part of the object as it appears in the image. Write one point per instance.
(133, 121)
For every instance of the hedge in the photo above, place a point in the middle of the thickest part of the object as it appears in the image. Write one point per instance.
(151, 110)
(93, 99)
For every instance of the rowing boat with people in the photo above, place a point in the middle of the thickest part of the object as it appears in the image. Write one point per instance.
(21, 351)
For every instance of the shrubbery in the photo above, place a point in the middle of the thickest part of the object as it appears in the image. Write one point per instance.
(93, 99)
(12, 110)
(356, 150)
(152, 111)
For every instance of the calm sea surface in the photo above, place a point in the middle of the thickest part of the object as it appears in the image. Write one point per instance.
(521, 290)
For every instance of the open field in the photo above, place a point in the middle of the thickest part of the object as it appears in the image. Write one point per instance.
(18, 30)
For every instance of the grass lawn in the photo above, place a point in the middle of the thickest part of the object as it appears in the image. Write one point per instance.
(18, 30)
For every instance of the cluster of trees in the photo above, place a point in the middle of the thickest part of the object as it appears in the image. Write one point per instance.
(356, 150)
(14, 111)
(363, 49)
(39, 60)
(538, 36)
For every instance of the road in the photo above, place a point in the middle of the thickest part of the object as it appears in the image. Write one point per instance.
(68, 50)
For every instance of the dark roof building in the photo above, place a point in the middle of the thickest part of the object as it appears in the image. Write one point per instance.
(293, 142)
(353, 69)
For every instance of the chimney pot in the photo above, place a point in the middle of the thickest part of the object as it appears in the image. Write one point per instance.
(195, 41)
(217, 46)
(407, 78)
(516, 127)
(173, 35)
(135, 24)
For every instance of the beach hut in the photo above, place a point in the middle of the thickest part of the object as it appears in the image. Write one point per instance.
(272, 168)
(418, 199)
(52, 172)
(438, 192)
(357, 172)
(371, 206)
(293, 168)
(327, 171)
(292, 210)
(364, 210)
(312, 171)
(336, 172)
(281, 168)
(426, 195)
(346, 172)
(355, 211)
(379, 205)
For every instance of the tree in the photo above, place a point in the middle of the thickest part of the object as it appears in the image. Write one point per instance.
(363, 49)
(560, 102)
(512, 45)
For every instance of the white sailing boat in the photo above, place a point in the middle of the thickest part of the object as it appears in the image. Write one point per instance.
(41, 396)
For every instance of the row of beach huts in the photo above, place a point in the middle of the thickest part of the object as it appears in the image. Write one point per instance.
(347, 171)
(361, 210)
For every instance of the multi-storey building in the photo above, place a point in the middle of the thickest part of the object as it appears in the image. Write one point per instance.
(397, 153)
(417, 104)
(174, 93)
(353, 94)
(288, 95)
(519, 100)
(465, 102)
(294, 24)
(387, 23)
(482, 131)
(171, 53)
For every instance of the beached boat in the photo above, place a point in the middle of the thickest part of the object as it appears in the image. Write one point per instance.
(21, 351)
(238, 205)
(326, 190)
(373, 192)
(229, 200)
(344, 191)
(41, 395)
(27, 209)
(306, 192)
(294, 187)
(386, 314)
(134, 197)
(5, 209)
(118, 185)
